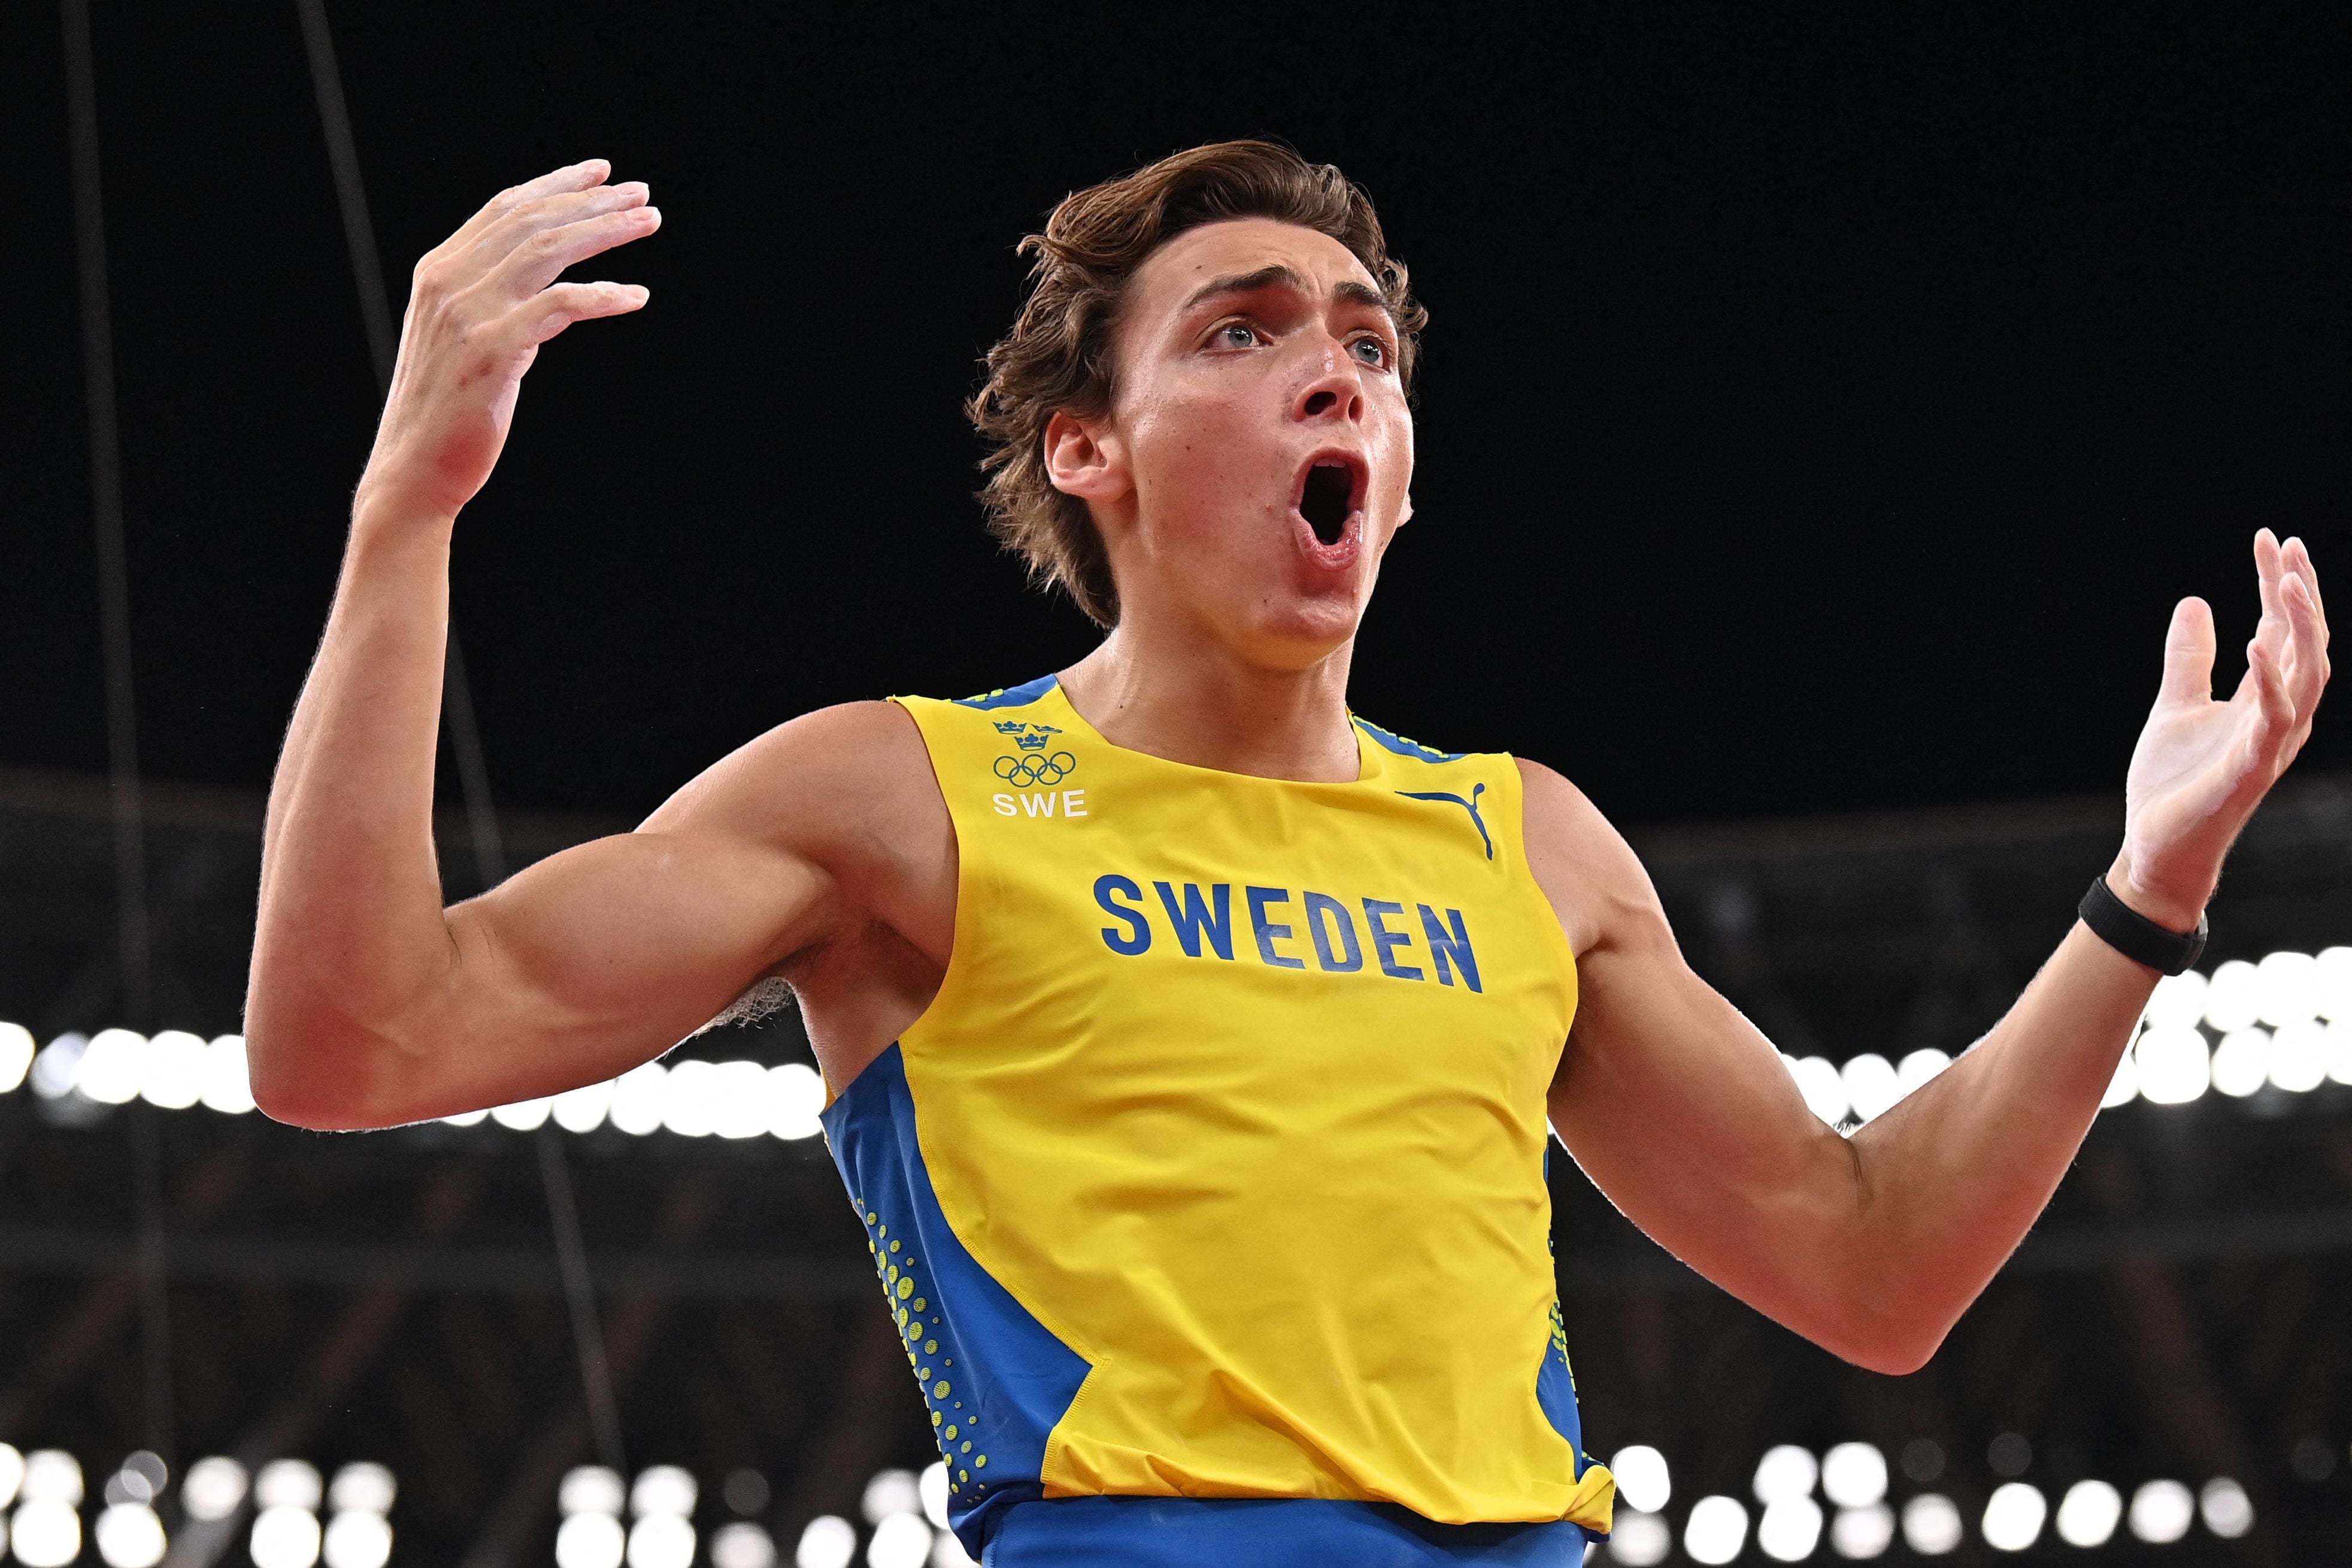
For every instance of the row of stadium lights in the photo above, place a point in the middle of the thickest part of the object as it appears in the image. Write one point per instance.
(907, 1518)
(2285, 1023)
(175, 1070)
(906, 1515)
(1853, 1479)
(42, 1496)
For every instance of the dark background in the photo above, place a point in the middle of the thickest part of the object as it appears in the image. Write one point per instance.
(1822, 410)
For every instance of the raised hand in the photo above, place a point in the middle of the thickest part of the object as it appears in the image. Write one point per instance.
(2201, 766)
(483, 301)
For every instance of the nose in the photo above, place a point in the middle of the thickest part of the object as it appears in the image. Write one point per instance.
(1335, 394)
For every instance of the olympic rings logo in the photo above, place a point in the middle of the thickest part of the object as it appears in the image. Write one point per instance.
(1025, 771)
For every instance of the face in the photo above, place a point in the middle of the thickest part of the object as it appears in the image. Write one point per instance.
(1256, 458)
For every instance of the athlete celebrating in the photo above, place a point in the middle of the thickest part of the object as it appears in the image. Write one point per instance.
(1191, 1041)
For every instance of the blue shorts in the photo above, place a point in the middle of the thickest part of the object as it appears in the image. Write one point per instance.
(1275, 1533)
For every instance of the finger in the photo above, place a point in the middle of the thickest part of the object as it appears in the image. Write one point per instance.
(582, 176)
(2272, 699)
(2270, 632)
(2298, 561)
(490, 234)
(545, 314)
(2306, 659)
(518, 224)
(2188, 653)
(2269, 568)
(542, 258)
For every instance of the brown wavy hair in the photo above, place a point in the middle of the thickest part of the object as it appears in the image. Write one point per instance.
(1058, 355)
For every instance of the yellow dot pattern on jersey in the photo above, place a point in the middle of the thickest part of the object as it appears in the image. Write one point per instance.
(898, 1285)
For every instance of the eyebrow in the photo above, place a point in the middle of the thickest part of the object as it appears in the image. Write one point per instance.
(1280, 275)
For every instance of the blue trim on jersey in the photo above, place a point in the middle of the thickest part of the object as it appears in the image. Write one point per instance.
(1390, 741)
(1011, 697)
(995, 1378)
(1265, 1532)
(1555, 1391)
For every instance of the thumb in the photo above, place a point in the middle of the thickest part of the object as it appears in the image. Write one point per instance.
(2188, 653)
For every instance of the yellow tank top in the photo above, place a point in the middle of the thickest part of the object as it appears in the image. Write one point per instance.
(1216, 1169)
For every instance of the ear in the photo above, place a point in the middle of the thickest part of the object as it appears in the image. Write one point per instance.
(1084, 459)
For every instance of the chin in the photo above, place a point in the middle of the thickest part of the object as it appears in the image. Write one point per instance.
(1300, 631)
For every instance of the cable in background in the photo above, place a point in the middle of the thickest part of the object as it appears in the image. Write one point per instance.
(458, 721)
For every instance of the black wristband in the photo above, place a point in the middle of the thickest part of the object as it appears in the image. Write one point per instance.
(2135, 936)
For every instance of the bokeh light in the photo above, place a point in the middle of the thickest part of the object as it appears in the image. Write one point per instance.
(1639, 1539)
(589, 1540)
(2088, 1513)
(828, 1542)
(1790, 1529)
(128, 1535)
(2014, 1515)
(1785, 1471)
(1863, 1532)
(1715, 1530)
(2224, 1506)
(2160, 1513)
(1642, 1480)
(212, 1489)
(1854, 1475)
(284, 1536)
(357, 1538)
(1931, 1524)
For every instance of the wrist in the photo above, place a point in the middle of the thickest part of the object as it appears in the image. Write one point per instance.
(385, 509)
(2150, 902)
(393, 542)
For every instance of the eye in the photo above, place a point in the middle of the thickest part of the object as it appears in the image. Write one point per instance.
(1370, 350)
(1236, 335)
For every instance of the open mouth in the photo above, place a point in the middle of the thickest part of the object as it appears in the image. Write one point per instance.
(1328, 500)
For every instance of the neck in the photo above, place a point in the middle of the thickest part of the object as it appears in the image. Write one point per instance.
(1191, 700)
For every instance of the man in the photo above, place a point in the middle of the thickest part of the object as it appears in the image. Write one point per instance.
(1192, 1041)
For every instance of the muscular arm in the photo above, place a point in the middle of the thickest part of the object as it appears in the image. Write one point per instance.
(1873, 1246)
(369, 1004)
(1683, 1113)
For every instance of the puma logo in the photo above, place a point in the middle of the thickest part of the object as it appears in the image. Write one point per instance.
(1471, 806)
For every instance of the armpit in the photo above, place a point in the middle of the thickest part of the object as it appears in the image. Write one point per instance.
(766, 997)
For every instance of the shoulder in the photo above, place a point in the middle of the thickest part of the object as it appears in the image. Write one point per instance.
(1585, 867)
(829, 781)
(844, 794)
(1556, 807)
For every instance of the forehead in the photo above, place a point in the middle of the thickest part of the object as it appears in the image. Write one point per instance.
(1236, 246)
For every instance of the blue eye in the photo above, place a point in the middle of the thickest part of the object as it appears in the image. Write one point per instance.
(1370, 350)
(1236, 335)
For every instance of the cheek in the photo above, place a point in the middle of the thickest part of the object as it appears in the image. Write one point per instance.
(1191, 446)
(1396, 468)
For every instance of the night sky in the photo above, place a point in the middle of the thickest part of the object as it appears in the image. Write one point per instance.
(1821, 410)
